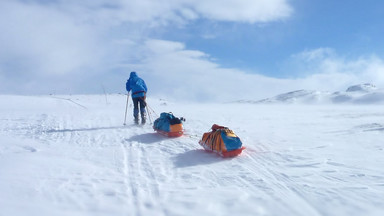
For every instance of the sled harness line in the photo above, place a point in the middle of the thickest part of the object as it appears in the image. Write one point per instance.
(138, 92)
(149, 108)
(150, 112)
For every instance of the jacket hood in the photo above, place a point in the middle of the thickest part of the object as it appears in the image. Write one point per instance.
(133, 74)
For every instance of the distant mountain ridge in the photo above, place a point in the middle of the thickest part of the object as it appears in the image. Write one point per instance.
(357, 94)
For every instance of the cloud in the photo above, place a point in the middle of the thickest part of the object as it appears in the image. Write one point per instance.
(172, 71)
(325, 69)
(44, 41)
(251, 11)
(176, 72)
(315, 54)
(58, 46)
(82, 46)
(163, 12)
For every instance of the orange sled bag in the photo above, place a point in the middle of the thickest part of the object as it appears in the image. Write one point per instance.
(169, 125)
(222, 141)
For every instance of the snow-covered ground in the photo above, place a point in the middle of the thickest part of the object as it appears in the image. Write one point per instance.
(71, 155)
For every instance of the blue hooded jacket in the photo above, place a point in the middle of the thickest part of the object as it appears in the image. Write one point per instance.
(136, 85)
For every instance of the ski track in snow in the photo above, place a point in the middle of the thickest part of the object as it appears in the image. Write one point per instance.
(71, 155)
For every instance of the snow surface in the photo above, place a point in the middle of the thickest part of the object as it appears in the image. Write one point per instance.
(71, 155)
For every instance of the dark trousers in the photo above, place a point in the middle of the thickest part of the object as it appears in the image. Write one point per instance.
(139, 102)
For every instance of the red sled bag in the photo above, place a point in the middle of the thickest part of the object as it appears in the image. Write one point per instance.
(223, 141)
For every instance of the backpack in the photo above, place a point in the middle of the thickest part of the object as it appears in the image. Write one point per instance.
(222, 140)
(168, 124)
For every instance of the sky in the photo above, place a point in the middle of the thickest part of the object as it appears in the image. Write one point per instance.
(190, 49)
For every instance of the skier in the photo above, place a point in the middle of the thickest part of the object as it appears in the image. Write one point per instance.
(139, 91)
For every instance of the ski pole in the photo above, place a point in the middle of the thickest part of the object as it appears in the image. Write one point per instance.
(149, 112)
(149, 115)
(126, 108)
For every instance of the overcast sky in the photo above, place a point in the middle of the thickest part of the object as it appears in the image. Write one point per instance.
(190, 49)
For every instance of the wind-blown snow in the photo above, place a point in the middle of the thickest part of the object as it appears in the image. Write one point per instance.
(357, 94)
(71, 155)
(367, 87)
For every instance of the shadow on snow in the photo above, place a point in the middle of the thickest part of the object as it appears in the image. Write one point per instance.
(189, 158)
(147, 138)
(186, 159)
(85, 129)
(197, 157)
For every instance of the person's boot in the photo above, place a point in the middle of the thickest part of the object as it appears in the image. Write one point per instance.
(136, 120)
